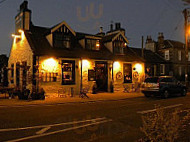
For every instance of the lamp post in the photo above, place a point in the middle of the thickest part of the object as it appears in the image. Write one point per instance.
(186, 15)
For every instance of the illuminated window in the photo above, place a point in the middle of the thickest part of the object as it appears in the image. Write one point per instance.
(68, 72)
(127, 72)
(92, 44)
(49, 77)
(167, 55)
(49, 70)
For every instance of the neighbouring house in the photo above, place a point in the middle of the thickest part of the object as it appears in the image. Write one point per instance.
(155, 65)
(3, 70)
(60, 59)
(173, 52)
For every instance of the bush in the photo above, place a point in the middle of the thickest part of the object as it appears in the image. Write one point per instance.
(162, 126)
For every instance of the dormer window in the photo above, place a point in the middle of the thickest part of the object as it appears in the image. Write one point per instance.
(118, 47)
(119, 44)
(92, 44)
(61, 40)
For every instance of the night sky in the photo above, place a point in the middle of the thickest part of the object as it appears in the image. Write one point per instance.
(138, 17)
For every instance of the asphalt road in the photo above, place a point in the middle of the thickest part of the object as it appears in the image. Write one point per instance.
(106, 121)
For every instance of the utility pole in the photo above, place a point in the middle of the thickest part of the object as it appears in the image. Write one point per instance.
(142, 47)
(186, 15)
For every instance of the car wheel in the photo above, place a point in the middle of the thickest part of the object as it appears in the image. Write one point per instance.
(146, 95)
(183, 92)
(165, 94)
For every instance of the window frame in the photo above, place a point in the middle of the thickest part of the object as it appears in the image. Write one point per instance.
(90, 44)
(130, 73)
(61, 40)
(73, 81)
(167, 54)
(162, 69)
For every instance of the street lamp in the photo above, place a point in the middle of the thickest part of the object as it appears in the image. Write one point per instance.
(187, 32)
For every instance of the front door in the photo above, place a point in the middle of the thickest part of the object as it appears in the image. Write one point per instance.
(102, 76)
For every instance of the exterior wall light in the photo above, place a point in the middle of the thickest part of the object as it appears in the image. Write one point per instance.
(50, 65)
(116, 66)
(138, 68)
(85, 64)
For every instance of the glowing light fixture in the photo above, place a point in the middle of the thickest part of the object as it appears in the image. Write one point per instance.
(116, 65)
(85, 64)
(21, 36)
(97, 45)
(50, 65)
(138, 67)
(125, 44)
(16, 36)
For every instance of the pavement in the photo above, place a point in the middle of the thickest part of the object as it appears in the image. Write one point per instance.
(5, 102)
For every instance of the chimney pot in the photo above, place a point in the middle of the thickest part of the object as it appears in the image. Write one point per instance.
(111, 27)
(101, 29)
(117, 26)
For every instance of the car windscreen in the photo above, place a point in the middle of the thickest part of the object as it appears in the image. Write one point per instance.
(151, 80)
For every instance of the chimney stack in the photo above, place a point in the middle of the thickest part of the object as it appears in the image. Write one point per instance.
(23, 18)
(24, 5)
(117, 26)
(101, 29)
(111, 27)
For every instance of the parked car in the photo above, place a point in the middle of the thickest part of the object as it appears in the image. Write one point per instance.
(163, 86)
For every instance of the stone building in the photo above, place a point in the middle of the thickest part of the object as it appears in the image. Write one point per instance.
(61, 59)
(173, 52)
(155, 65)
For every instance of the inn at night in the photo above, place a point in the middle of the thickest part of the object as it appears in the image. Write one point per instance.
(59, 58)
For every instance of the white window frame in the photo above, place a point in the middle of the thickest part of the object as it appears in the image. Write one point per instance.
(162, 72)
(167, 55)
(179, 55)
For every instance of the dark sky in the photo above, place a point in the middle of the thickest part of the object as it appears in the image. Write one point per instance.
(138, 17)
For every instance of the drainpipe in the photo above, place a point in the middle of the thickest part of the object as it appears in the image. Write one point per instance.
(81, 78)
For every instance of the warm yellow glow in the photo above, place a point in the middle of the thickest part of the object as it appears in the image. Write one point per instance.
(116, 66)
(21, 36)
(16, 36)
(125, 44)
(97, 45)
(50, 65)
(85, 64)
(138, 68)
(22, 33)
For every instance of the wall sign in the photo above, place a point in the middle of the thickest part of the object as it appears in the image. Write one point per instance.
(119, 75)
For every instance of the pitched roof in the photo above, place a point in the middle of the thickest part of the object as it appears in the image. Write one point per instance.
(149, 56)
(128, 56)
(172, 44)
(108, 38)
(40, 46)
